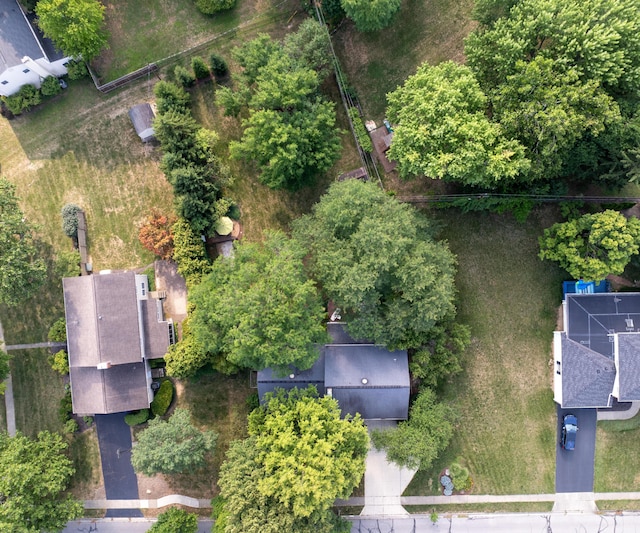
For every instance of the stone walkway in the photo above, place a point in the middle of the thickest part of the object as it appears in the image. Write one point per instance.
(34, 345)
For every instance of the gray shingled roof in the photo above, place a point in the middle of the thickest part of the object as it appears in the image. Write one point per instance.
(342, 367)
(102, 319)
(629, 367)
(104, 326)
(156, 329)
(269, 381)
(587, 376)
(117, 389)
(16, 37)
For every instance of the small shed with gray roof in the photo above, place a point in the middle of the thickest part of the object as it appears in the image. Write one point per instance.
(113, 328)
(597, 356)
(364, 378)
(142, 116)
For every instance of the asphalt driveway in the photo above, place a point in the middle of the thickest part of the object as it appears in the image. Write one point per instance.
(574, 469)
(114, 439)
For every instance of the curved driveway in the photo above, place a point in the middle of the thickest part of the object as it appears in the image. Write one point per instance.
(574, 469)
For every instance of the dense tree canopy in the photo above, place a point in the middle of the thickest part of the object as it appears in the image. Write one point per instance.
(548, 109)
(291, 438)
(22, 272)
(259, 309)
(416, 442)
(371, 15)
(75, 26)
(172, 446)
(600, 39)
(290, 132)
(309, 46)
(592, 246)
(35, 472)
(376, 259)
(442, 130)
(4, 369)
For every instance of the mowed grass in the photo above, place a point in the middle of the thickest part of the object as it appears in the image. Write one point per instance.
(216, 402)
(83, 149)
(617, 462)
(506, 426)
(146, 31)
(378, 62)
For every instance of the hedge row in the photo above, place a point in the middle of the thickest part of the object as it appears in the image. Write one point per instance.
(162, 399)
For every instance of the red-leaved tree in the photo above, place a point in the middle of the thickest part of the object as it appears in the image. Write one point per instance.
(156, 235)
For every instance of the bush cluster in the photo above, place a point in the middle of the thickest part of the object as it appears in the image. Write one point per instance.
(361, 132)
(200, 69)
(162, 399)
(210, 7)
(58, 332)
(65, 410)
(77, 70)
(27, 97)
(59, 361)
(50, 86)
(137, 417)
(218, 65)
(183, 76)
(70, 219)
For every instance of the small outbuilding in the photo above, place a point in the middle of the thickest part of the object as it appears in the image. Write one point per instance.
(142, 116)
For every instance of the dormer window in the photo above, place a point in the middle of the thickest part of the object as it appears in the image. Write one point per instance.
(26, 71)
(4, 82)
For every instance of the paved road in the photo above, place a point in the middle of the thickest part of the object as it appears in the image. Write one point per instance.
(574, 469)
(506, 523)
(119, 525)
(114, 438)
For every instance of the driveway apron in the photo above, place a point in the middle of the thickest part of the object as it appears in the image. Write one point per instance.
(574, 469)
(114, 439)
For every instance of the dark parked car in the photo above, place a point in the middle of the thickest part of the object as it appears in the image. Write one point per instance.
(569, 431)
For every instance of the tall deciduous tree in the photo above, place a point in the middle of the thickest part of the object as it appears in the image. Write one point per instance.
(22, 272)
(376, 259)
(293, 437)
(592, 246)
(290, 132)
(600, 39)
(35, 473)
(259, 309)
(75, 26)
(442, 130)
(309, 46)
(173, 446)
(371, 15)
(548, 109)
(416, 442)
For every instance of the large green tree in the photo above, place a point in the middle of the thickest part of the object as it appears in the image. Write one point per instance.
(441, 130)
(371, 15)
(35, 474)
(377, 260)
(259, 309)
(300, 456)
(172, 446)
(290, 132)
(75, 26)
(600, 39)
(548, 109)
(592, 246)
(417, 442)
(22, 272)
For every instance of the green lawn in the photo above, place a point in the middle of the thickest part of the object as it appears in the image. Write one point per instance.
(220, 403)
(146, 31)
(617, 466)
(378, 62)
(506, 430)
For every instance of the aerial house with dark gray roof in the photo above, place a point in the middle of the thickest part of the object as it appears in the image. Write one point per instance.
(26, 57)
(597, 356)
(114, 327)
(363, 378)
